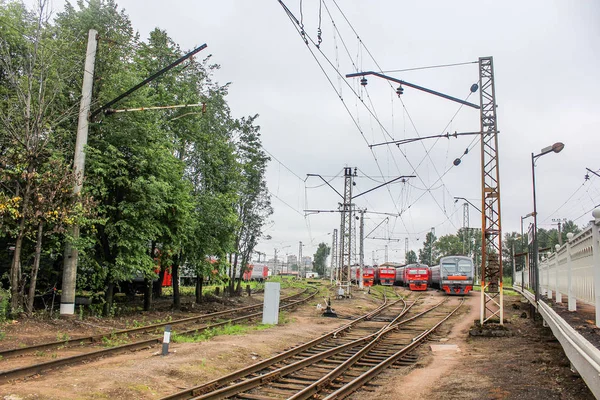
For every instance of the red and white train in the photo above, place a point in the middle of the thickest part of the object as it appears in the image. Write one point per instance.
(385, 274)
(368, 275)
(415, 276)
(256, 272)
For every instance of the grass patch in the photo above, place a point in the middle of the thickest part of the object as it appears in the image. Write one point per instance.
(210, 333)
(114, 340)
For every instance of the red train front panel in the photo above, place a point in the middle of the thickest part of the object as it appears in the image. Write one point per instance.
(368, 276)
(417, 278)
(386, 275)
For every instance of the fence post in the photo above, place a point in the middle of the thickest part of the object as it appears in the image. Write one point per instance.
(548, 290)
(596, 261)
(571, 296)
(556, 290)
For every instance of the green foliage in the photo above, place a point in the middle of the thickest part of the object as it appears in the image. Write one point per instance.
(320, 258)
(4, 304)
(188, 182)
(411, 257)
(429, 253)
(207, 334)
(114, 340)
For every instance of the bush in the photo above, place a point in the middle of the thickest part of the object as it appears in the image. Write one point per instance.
(4, 304)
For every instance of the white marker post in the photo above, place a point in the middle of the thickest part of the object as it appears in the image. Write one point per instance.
(271, 303)
(166, 340)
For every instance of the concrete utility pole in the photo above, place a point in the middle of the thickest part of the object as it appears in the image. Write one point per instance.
(431, 247)
(406, 250)
(466, 247)
(386, 253)
(67, 298)
(560, 222)
(300, 258)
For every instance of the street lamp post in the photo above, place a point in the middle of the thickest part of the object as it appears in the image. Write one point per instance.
(556, 148)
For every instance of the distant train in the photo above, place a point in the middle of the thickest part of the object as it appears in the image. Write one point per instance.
(368, 275)
(415, 276)
(385, 274)
(454, 274)
(256, 272)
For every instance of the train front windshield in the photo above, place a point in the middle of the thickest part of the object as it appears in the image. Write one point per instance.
(417, 271)
(462, 267)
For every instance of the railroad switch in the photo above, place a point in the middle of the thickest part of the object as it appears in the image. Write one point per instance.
(329, 312)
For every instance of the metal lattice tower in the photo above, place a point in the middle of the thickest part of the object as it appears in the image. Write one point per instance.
(491, 231)
(466, 244)
(333, 273)
(346, 230)
(354, 240)
(361, 257)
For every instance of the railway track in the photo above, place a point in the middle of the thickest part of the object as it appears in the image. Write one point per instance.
(86, 348)
(336, 364)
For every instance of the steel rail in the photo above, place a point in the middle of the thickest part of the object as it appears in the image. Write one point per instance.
(41, 367)
(224, 380)
(326, 380)
(298, 365)
(4, 354)
(362, 379)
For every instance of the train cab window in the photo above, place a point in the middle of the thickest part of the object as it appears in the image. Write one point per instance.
(464, 266)
(449, 267)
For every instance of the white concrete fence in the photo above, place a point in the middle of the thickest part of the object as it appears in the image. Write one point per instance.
(573, 270)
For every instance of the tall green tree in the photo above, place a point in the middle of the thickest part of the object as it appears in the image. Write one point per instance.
(429, 253)
(34, 77)
(411, 257)
(320, 258)
(448, 245)
(254, 203)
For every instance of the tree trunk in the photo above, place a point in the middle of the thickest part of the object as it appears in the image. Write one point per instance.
(233, 274)
(175, 274)
(35, 269)
(157, 285)
(147, 294)
(109, 297)
(199, 282)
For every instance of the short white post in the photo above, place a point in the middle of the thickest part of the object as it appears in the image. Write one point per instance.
(166, 340)
(549, 291)
(558, 294)
(570, 294)
(271, 303)
(596, 260)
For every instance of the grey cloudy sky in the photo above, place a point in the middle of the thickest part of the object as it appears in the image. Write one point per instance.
(546, 59)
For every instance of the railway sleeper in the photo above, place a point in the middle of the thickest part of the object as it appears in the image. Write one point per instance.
(289, 386)
(298, 380)
(250, 396)
(277, 392)
(314, 375)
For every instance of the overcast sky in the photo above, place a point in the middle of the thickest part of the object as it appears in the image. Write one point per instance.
(546, 60)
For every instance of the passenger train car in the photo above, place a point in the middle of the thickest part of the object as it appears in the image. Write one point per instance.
(368, 275)
(415, 276)
(385, 275)
(454, 274)
(256, 272)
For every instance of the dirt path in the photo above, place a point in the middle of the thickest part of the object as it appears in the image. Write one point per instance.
(528, 365)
